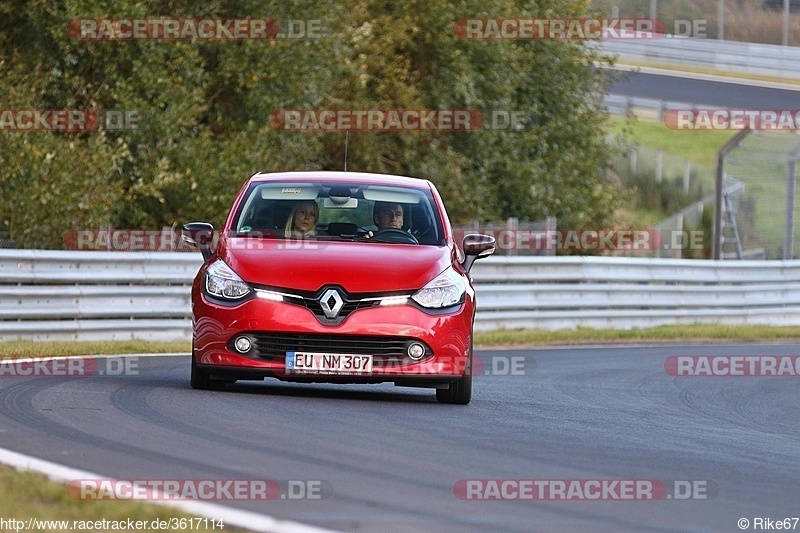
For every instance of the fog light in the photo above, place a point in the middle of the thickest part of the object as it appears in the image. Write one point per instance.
(242, 344)
(416, 351)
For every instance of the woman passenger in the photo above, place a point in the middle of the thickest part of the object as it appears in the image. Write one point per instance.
(302, 220)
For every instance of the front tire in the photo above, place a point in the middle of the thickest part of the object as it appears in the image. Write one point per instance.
(201, 380)
(459, 392)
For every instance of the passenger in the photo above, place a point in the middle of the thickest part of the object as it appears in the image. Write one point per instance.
(302, 220)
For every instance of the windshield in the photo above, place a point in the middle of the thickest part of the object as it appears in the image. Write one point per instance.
(339, 211)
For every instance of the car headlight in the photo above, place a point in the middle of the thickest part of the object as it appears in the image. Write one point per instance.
(222, 282)
(443, 291)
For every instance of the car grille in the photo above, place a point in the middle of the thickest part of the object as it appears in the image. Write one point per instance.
(348, 307)
(273, 346)
(350, 302)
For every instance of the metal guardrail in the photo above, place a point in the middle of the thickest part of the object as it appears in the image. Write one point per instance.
(753, 58)
(622, 293)
(59, 295)
(53, 295)
(53, 266)
(652, 108)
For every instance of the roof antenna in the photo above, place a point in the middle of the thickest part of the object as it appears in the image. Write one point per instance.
(346, 138)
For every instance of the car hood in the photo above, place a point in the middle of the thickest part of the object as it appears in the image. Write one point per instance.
(356, 266)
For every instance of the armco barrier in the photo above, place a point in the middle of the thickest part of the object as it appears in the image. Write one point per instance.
(752, 58)
(53, 295)
(609, 292)
(651, 108)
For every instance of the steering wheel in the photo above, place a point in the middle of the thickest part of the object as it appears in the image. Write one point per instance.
(425, 236)
(394, 235)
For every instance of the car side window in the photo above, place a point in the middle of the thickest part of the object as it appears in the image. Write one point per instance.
(266, 215)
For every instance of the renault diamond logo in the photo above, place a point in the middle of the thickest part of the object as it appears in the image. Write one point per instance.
(331, 303)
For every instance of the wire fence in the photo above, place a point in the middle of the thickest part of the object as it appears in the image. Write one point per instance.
(5, 240)
(761, 218)
(657, 165)
(749, 21)
(759, 202)
(680, 189)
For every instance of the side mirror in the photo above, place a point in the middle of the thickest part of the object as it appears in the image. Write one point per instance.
(477, 246)
(201, 235)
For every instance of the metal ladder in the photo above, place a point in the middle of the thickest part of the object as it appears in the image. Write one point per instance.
(729, 221)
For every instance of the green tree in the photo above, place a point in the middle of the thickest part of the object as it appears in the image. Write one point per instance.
(406, 55)
(205, 106)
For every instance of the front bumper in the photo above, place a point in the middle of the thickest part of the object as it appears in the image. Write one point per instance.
(278, 327)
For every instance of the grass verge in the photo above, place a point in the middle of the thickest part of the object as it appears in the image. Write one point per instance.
(688, 333)
(26, 495)
(15, 349)
(698, 146)
(502, 337)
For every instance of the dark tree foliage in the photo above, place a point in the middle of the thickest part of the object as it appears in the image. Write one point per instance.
(204, 111)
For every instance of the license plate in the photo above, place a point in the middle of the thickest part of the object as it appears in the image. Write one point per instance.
(327, 363)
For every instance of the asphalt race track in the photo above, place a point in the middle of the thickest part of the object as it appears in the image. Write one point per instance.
(390, 457)
(711, 93)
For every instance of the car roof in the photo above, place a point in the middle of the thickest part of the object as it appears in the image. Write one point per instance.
(335, 176)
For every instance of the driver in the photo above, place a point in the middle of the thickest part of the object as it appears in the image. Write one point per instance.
(387, 215)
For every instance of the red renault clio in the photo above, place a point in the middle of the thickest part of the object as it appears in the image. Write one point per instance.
(335, 277)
